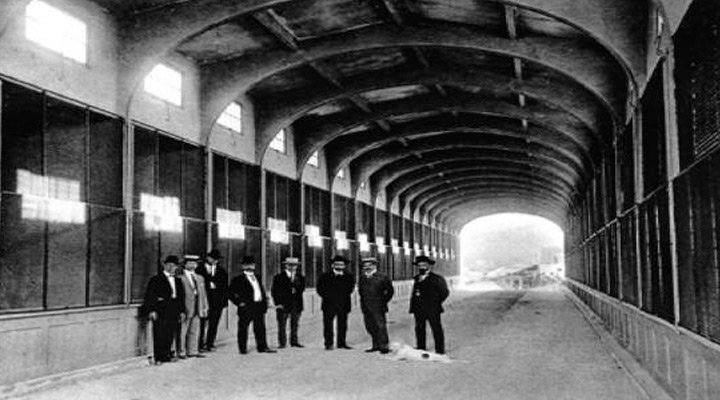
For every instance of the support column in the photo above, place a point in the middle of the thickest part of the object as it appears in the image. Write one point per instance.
(209, 184)
(128, 188)
(672, 150)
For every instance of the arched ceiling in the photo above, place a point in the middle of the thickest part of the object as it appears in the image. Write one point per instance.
(453, 107)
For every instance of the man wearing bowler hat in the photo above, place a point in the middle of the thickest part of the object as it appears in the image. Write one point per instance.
(165, 305)
(216, 287)
(428, 293)
(335, 287)
(287, 293)
(247, 293)
(376, 290)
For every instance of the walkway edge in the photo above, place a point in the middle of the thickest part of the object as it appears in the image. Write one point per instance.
(641, 377)
(24, 388)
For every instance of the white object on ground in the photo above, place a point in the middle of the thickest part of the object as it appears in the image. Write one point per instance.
(400, 351)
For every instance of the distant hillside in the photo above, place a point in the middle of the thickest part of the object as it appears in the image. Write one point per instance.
(506, 247)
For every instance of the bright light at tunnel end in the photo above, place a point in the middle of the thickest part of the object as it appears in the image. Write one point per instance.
(545, 258)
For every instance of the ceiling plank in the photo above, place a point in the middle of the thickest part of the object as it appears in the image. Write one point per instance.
(274, 24)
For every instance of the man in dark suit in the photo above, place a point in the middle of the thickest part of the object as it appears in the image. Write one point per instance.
(287, 293)
(165, 305)
(248, 294)
(216, 287)
(335, 287)
(428, 293)
(376, 290)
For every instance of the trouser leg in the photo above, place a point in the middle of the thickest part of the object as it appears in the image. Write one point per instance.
(191, 338)
(181, 345)
(438, 334)
(242, 331)
(371, 328)
(383, 341)
(420, 331)
(282, 318)
(328, 317)
(159, 350)
(294, 324)
(173, 331)
(341, 328)
(213, 321)
(203, 333)
(259, 330)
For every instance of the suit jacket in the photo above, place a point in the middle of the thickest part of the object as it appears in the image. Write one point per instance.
(428, 295)
(241, 294)
(335, 291)
(190, 298)
(287, 293)
(158, 297)
(375, 293)
(218, 297)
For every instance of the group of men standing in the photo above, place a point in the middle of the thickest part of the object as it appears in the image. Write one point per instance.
(185, 301)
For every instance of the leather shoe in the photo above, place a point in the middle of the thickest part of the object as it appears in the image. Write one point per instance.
(297, 345)
(243, 351)
(384, 351)
(267, 351)
(196, 355)
(344, 346)
(282, 346)
(328, 347)
(372, 350)
(182, 357)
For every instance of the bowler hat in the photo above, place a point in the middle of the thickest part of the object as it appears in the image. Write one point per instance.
(214, 253)
(171, 260)
(426, 259)
(339, 258)
(291, 260)
(247, 260)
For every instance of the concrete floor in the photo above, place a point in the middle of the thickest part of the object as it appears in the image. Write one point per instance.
(508, 345)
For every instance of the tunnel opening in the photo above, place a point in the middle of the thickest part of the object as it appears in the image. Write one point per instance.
(511, 251)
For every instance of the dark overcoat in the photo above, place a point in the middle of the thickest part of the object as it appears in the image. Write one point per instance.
(428, 295)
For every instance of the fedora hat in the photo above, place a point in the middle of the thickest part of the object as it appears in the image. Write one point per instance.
(291, 260)
(247, 260)
(426, 259)
(214, 253)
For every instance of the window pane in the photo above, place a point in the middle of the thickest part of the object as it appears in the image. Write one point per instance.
(145, 164)
(22, 248)
(66, 264)
(56, 30)
(145, 257)
(314, 159)
(22, 142)
(278, 142)
(195, 239)
(231, 118)
(106, 160)
(107, 248)
(170, 167)
(165, 83)
(193, 180)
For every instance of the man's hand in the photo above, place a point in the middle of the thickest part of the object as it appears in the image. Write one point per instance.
(183, 317)
(280, 307)
(153, 316)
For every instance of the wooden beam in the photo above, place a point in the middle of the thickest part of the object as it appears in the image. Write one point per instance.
(325, 72)
(511, 21)
(384, 125)
(274, 24)
(441, 90)
(393, 11)
(517, 65)
(420, 56)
